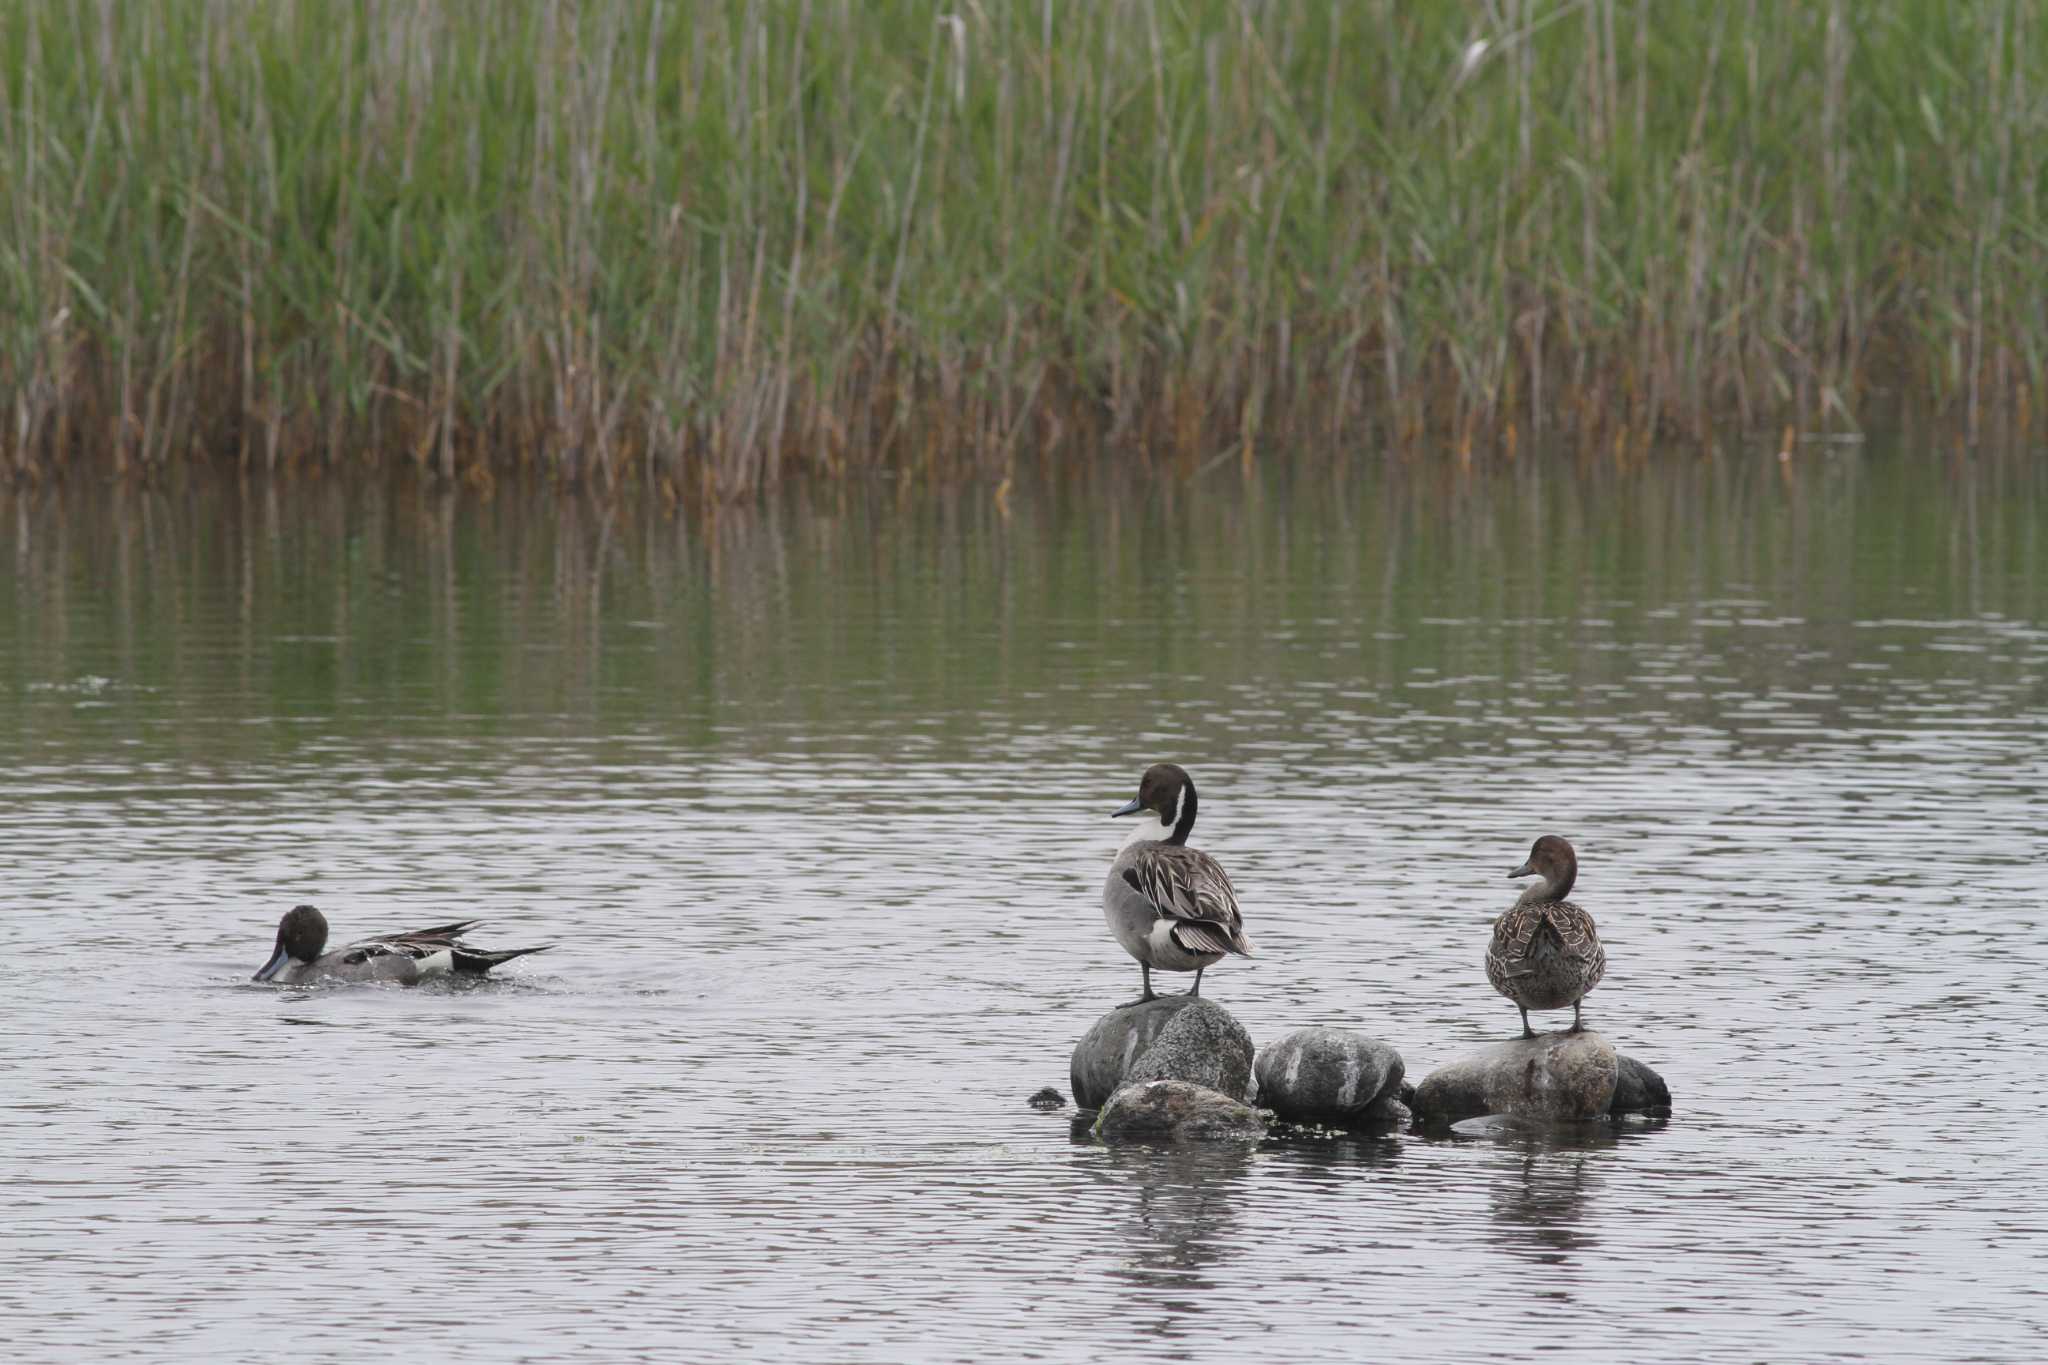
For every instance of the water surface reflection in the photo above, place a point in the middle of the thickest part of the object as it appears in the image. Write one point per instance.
(812, 796)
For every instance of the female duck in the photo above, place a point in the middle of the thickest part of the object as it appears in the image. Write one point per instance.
(1170, 906)
(1545, 953)
(407, 958)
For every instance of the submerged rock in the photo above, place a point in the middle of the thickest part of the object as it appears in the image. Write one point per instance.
(1177, 1111)
(1386, 1112)
(1047, 1098)
(1553, 1077)
(1330, 1076)
(1637, 1089)
(1176, 1037)
(1586, 1135)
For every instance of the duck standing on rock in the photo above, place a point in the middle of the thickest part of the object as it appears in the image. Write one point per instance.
(1170, 906)
(1546, 952)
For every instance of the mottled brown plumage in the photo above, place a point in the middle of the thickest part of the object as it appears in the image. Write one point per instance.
(1546, 951)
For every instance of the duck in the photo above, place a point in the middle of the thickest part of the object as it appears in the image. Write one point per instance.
(1546, 951)
(407, 958)
(1171, 907)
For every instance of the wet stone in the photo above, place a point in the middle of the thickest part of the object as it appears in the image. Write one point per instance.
(1047, 1098)
(1202, 1044)
(1177, 1111)
(1329, 1076)
(1386, 1112)
(1638, 1090)
(1176, 1037)
(1551, 1078)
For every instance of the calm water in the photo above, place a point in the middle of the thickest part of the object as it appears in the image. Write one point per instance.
(814, 800)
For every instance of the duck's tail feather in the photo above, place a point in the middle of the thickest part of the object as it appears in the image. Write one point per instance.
(477, 961)
(1200, 936)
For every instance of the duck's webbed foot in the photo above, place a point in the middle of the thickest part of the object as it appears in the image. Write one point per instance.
(1527, 1032)
(1578, 1024)
(1196, 989)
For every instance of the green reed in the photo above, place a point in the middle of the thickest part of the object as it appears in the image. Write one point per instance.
(702, 247)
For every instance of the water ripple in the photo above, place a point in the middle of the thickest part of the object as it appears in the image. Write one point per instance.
(822, 848)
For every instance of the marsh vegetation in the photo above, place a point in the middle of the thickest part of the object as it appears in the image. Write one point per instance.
(701, 248)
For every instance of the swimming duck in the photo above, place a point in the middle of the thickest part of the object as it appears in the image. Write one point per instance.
(1170, 906)
(1546, 953)
(407, 958)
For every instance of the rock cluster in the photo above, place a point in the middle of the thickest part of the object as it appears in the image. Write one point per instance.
(1175, 1037)
(1177, 1067)
(1180, 1068)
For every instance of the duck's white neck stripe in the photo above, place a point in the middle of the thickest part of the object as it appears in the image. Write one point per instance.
(1146, 828)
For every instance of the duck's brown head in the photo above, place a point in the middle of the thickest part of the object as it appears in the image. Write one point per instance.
(1167, 793)
(1552, 859)
(301, 934)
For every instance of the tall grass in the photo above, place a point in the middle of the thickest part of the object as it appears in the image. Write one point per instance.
(702, 247)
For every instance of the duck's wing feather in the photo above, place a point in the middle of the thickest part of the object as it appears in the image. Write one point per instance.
(439, 937)
(406, 946)
(413, 943)
(1190, 888)
(1575, 930)
(1514, 933)
(421, 944)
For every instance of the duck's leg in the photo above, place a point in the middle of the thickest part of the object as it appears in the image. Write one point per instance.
(1147, 996)
(1198, 982)
(1578, 1024)
(1527, 1032)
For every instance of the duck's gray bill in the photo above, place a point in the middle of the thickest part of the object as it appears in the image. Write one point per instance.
(272, 967)
(1523, 871)
(1129, 808)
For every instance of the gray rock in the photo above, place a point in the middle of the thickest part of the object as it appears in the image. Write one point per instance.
(1177, 1111)
(1176, 1037)
(1201, 1044)
(1638, 1089)
(1386, 1112)
(1047, 1098)
(1328, 1076)
(1113, 1045)
(1550, 1078)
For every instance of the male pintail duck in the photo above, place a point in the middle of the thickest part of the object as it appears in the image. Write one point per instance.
(1545, 953)
(407, 958)
(1170, 906)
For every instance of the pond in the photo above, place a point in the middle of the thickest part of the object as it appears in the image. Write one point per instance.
(813, 798)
